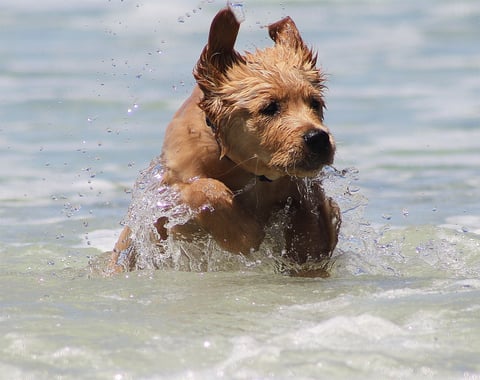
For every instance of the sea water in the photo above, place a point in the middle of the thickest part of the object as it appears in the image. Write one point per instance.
(87, 89)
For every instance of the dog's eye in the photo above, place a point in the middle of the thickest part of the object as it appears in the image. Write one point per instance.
(271, 109)
(316, 104)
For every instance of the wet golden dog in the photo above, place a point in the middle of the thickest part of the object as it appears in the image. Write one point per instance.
(239, 149)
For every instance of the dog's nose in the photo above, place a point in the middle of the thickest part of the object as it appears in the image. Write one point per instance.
(317, 141)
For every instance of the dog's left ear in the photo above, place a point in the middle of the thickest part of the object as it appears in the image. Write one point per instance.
(219, 53)
(216, 58)
(285, 32)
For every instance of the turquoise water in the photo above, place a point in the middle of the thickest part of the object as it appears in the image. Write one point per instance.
(87, 89)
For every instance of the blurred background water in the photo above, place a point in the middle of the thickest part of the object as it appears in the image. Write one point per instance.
(86, 91)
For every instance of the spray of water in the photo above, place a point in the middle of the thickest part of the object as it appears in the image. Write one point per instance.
(361, 250)
(151, 200)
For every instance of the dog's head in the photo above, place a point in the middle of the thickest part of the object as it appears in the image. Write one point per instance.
(266, 107)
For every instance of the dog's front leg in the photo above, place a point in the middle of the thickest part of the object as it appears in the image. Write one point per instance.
(123, 255)
(220, 214)
(312, 233)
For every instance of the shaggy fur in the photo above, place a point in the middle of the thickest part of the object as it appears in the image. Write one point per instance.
(239, 148)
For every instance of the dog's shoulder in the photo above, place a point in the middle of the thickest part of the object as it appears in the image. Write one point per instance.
(190, 149)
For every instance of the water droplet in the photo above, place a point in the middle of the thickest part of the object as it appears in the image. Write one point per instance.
(353, 189)
(237, 8)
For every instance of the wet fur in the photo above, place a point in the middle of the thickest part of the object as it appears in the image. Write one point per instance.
(239, 148)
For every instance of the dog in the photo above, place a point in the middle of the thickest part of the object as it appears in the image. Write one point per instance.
(243, 146)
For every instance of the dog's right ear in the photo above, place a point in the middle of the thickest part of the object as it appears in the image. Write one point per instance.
(219, 53)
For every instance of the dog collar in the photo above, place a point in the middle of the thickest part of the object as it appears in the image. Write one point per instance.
(262, 178)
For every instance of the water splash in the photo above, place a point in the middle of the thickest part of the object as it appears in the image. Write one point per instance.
(361, 250)
(357, 251)
(238, 10)
(151, 200)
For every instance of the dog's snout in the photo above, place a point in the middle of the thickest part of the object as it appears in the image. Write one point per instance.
(317, 141)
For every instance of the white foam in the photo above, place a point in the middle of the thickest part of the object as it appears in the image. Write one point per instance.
(102, 239)
(464, 223)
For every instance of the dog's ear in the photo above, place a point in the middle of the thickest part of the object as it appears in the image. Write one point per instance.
(216, 58)
(219, 53)
(286, 33)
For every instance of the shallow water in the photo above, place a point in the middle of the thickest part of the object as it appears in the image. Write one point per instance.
(86, 92)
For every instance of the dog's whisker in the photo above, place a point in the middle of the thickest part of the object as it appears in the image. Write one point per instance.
(250, 185)
(238, 164)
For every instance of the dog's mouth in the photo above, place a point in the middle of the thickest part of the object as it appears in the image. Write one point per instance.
(315, 151)
(310, 166)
